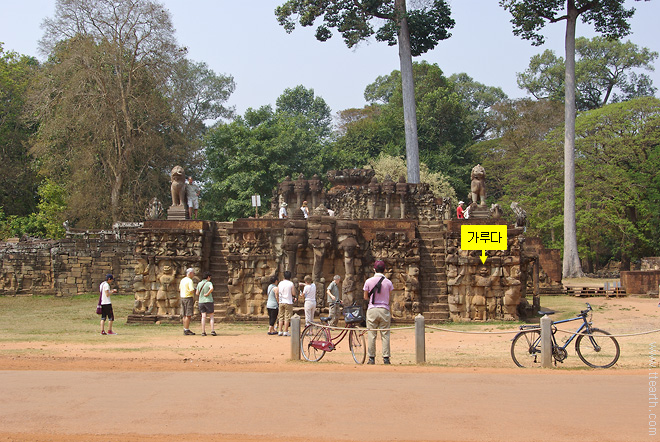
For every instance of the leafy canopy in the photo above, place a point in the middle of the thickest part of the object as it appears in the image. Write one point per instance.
(358, 20)
(609, 17)
(605, 71)
(252, 154)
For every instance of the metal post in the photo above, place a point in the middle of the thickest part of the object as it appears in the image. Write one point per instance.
(295, 338)
(546, 342)
(420, 343)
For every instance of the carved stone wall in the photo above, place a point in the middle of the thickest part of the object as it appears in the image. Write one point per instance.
(485, 291)
(399, 223)
(66, 267)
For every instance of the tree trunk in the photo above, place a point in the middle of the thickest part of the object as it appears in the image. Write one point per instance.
(408, 90)
(115, 194)
(571, 263)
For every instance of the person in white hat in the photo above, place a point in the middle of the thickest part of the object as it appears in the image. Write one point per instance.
(459, 210)
(283, 213)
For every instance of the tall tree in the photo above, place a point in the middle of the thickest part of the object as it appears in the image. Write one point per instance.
(605, 71)
(105, 120)
(18, 183)
(416, 31)
(610, 18)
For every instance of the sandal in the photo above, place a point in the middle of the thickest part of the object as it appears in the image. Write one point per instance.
(204, 334)
(213, 333)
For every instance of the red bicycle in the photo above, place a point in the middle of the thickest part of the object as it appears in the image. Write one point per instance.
(316, 340)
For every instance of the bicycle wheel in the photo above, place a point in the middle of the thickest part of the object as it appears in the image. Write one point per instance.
(526, 348)
(598, 349)
(313, 334)
(358, 346)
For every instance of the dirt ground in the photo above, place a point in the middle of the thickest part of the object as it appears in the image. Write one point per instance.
(244, 387)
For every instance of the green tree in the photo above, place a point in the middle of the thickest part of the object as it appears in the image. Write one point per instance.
(519, 128)
(617, 186)
(604, 71)
(301, 101)
(252, 154)
(18, 182)
(609, 18)
(452, 114)
(107, 130)
(416, 31)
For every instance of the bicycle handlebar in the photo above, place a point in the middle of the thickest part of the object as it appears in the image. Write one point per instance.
(586, 311)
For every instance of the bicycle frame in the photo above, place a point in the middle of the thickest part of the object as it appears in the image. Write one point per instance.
(585, 325)
(332, 343)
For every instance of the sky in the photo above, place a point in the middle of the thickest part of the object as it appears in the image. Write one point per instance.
(244, 40)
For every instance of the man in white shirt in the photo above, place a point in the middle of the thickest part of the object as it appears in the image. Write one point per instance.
(286, 294)
(106, 305)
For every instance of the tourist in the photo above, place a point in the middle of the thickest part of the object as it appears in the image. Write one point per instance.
(106, 305)
(466, 213)
(192, 194)
(309, 293)
(206, 308)
(459, 210)
(305, 210)
(333, 300)
(283, 213)
(377, 291)
(272, 306)
(187, 294)
(330, 211)
(285, 296)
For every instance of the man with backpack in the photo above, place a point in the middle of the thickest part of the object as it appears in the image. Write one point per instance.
(377, 291)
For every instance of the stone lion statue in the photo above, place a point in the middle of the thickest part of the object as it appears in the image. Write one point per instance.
(178, 186)
(478, 184)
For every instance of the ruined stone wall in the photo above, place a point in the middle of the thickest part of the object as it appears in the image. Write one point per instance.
(65, 267)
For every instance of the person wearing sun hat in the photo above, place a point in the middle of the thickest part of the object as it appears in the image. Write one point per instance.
(459, 210)
(283, 213)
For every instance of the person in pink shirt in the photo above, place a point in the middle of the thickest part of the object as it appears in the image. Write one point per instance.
(377, 291)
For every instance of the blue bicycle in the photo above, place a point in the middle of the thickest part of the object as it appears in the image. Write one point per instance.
(594, 346)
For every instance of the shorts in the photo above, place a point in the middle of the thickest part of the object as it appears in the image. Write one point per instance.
(187, 305)
(285, 312)
(206, 307)
(193, 203)
(106, 312)
(272, 316)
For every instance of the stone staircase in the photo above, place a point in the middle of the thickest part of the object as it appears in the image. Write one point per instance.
(432, 275)
(219, 269)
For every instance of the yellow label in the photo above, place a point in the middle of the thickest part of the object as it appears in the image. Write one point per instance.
(483, 237)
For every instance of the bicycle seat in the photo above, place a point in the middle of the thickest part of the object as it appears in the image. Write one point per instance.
(325, 318)
(546, 312)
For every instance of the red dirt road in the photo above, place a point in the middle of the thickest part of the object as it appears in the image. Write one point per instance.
(398, 404)
(240, 386)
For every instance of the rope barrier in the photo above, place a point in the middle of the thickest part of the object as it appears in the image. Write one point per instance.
(472, 332)
(363, 328)
(393, 329)
(624, 335)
